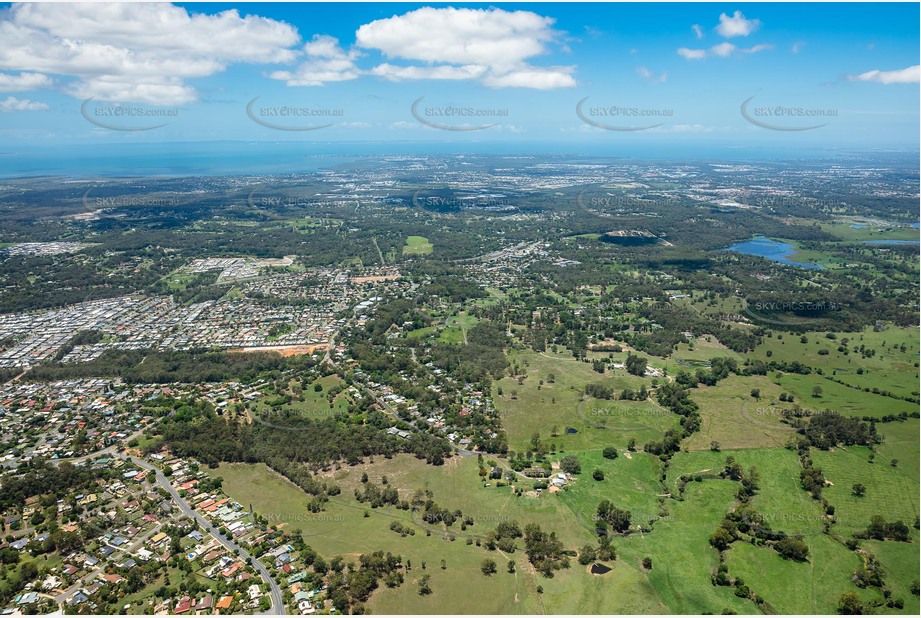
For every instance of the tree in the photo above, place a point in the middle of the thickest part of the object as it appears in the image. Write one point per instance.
(586, 555)
(850, 604)
(721, 539)
(617, 518)
(488, 567)
(318, 388)
(424, 588)
(792, 548)
(598, 475)
(715, 446)
(635, 365)
(756, 393)
(570, 465)
(610, 452)
(859, 490)
(647, 563)
(511, 566)
(816, 391)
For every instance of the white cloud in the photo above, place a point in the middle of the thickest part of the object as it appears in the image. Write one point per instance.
(692, 54)
(722, 50)
(442, 71)
(910, 75)
(492, 45)
(533, 77)
(698, 31)
(137, 52)
(23, 82)
(754, 49)
(12, 104)
(650, 76)
(736, 25)
(797, 47)
(326, 62)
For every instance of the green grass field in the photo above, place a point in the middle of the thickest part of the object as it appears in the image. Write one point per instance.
(891, 368)
(789, 587)
(314, 405)
(417, 245)
(735, 419)
(461, 588)
(534, 407)
(890, 492)
(456, 327)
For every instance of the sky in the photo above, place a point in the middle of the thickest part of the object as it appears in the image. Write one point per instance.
(736, 74)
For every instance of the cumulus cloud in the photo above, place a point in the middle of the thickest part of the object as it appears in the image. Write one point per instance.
(692, 54)
(532, 77)
(910, 75)
(698, 31)
(326, 62)
(723, 49)
(736, 25)
(23, 82)
(12, 104)
(137, 52)
(492, 45)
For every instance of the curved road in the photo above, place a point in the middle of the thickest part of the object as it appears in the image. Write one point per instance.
(278, 606)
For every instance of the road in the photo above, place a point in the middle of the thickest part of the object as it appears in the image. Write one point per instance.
(89, 578)
(278, 606)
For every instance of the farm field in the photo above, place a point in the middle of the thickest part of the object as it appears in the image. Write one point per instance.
(731, 417)
(343, 529)
(534, 407)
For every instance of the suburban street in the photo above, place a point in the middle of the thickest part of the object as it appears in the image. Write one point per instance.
(278, 606)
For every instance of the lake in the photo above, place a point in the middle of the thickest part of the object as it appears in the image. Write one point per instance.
(774, 250)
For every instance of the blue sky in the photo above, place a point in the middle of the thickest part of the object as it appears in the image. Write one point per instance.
(843, 75)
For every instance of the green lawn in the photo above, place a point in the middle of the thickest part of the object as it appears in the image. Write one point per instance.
(417, 245)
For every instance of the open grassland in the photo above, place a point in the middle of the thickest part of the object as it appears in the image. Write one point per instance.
(315, 404)
(846, 232)
(780, 500)
(845, 400)
(890, 492)
(900, 441)
(733, 418)
(532, 407)
(682, 559)
(900, 569)
(417, 245)
(456, 327)
(893, 367)
(630, 483)
(461, 587)
(702, 349)
(790, 587)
